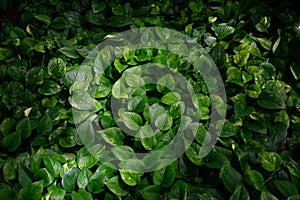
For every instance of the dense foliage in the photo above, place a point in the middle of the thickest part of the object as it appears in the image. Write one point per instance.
(255, 47)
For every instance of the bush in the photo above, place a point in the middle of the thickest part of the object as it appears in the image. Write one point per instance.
(57, 97)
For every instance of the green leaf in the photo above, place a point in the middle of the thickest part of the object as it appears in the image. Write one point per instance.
(12, 141)
(83, 178)
(53, 166)
(112, 135)
(240, 193)
(170, 98)
(98, 6)
(164, 122)
(40, 47)
(180, 190)
(85, 159)
(193, 154)
(267, 196)
(270, 161)
(81, 100)
(265, 43)
(81, 195)
(119, 66)
(223, 30)
(132, 120)
(196, 7)
(31, 191)
(113, 185)
(271, 101)
(49, 88)
(230, 178)
(7, 125)
(45, 126)
(24, 126)
(130, 177)
(255, 179)
(151, 192)
(69, 179)
(119, 90)
(69, 52)
(43, 18)
(263, 24)
(10, 169)
(165, 82)
(59, 23)
(74, 18)
(133, 80)
(56, 192)
(56, 67)
(287, 188)
(24, 176)
(165, 176)
(241, 58)
(35, 76)
(43, 174)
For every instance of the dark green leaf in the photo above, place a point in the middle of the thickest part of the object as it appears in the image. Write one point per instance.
(230, 178)
(31, 191)
(49, 88)
(12, 141)
(25, 127)
(44, 18)
(255, 179)
(287, 188)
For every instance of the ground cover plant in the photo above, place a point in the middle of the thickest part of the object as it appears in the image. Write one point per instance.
(254, 45)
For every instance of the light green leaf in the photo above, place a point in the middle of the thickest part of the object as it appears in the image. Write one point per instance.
(270, 160)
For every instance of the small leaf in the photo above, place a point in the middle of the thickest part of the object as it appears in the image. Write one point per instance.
(151, 192)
